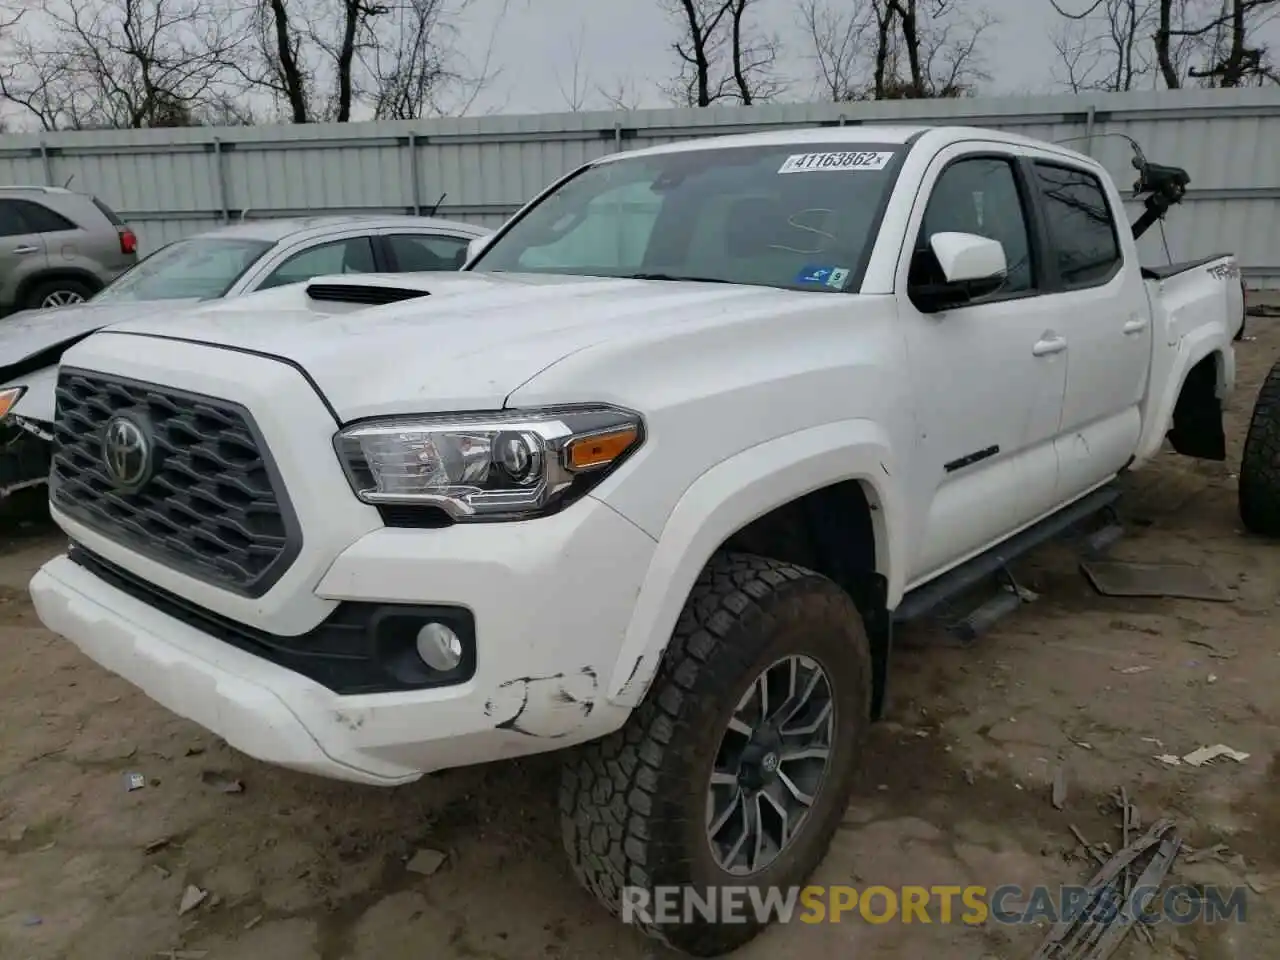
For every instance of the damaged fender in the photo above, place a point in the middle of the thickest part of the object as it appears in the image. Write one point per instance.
(732, 494)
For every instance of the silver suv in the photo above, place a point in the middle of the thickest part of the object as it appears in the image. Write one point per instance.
(58, 247)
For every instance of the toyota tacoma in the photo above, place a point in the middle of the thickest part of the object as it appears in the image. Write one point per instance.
(650, 481)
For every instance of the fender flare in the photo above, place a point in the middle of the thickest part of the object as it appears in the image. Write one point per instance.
(737, 491)
(1189, 351)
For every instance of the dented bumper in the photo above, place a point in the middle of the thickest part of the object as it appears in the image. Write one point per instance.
(549, 611)
(25, 449)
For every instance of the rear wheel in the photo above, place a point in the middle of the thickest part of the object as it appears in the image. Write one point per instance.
(1259, 487)
(735, 770)
(57, 293)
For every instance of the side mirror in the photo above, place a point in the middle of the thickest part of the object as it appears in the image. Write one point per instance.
(477, 246)
(971, 266)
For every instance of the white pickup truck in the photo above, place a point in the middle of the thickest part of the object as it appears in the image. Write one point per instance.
(652, 478)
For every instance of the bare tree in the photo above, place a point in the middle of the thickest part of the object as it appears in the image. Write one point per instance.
(753, 55)
(576, 93)
(722, 53)
(620, 95)
(896, 49)
(124, 63)
(837, 36)
(698, 51)
(322, 60)
(1121, 44)
(1231, 57)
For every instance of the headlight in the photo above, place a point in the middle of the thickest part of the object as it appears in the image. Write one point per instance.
(9, 398)
(504, 465)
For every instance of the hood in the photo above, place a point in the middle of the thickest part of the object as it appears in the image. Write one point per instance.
(40, 335)
(469, 343)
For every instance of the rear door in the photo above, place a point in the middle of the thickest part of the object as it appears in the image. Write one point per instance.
(22, 251)
(1099, 289)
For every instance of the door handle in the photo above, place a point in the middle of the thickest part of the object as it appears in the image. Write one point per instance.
(25, 249)
(1048, 346)
(1135, 325)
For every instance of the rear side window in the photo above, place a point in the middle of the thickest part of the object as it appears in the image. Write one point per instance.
(1081, 225)
(40, 219)
(107, 212)
(11, 222)
(418, 253)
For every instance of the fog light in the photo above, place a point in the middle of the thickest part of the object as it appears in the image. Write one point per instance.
(439, 647)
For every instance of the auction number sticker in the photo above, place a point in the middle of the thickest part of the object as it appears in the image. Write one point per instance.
(840, 161)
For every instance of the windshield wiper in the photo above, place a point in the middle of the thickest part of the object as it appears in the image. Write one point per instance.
(671, 277)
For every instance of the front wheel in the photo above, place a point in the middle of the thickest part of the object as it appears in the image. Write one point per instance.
(736, 769)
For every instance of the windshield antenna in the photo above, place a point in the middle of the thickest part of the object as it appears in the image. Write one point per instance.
(436, 206)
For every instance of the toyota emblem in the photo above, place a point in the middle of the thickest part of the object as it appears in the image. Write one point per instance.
(126, 452)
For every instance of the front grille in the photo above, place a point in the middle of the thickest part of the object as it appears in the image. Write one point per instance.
(213, 507)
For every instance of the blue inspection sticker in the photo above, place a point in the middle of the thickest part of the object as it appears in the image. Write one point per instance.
(823, 276)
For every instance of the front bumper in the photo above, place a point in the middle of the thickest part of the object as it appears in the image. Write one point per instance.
(551, 599)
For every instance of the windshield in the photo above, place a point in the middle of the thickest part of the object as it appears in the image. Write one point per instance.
(800, 218)
(199, 268)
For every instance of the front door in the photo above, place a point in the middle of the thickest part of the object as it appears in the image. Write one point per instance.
(989, 377)
(22, 252)
(1109, 338)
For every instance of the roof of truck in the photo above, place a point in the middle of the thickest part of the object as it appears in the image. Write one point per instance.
(852, 135)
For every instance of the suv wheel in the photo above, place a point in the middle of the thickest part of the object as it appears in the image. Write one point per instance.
(57, 293)
(735, 771)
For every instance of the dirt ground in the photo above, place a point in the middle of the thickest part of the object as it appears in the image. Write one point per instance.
(956, 790)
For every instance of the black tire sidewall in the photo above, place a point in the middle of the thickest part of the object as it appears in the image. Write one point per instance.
(811, 618)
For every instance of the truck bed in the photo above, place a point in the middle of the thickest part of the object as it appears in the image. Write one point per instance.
(1165, 271)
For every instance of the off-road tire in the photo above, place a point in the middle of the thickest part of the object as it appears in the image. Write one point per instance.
(35, 296)
(633, 805)
(1259, 486)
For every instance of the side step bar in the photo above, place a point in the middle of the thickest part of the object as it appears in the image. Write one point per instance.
(927, 598)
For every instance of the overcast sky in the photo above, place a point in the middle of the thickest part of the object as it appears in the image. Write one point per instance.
(631, 40)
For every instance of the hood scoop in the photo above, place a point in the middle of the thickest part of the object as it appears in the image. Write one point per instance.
(369, 295)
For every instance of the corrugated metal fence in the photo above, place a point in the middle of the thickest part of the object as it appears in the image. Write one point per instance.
(170, 183)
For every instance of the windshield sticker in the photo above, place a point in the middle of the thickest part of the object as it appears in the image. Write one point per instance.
(823, 276)
(841, 161)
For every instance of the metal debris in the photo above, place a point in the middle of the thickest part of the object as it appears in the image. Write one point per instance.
(1059, 794)
(1217, 851)
(1198, 758)
(134, 781)
(426, 862)
(1214, 652)
(1094, 934)
(221, 782)
(192, 897)
(254, 922)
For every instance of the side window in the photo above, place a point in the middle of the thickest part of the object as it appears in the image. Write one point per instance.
(354, 255)
(11, 222)
(979, 195)
(43, 220)
(1081, 226)
(612, 234)
(422, 252)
